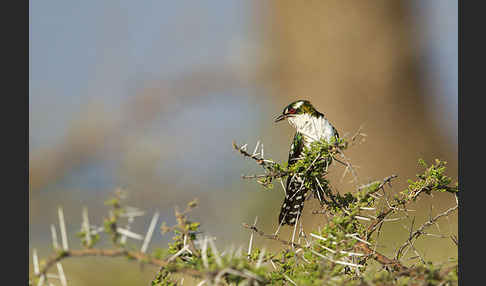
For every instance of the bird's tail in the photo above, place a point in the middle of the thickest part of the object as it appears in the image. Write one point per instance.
(293, 204)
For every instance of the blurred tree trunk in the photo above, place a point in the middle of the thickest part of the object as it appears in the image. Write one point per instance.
(358, 63)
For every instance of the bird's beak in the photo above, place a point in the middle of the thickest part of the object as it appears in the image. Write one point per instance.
(279, 117)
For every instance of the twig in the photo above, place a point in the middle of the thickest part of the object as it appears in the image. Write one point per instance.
(270, 236)
(348, 164)
(415, 235)
(243, 151)
(454, 239)
(385, 181)
(382, 259)
(139, 256)
(362, 247)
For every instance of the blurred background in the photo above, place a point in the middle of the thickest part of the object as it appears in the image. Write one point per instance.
(148, 96)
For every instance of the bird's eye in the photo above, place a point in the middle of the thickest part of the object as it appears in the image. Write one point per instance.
(291, 111)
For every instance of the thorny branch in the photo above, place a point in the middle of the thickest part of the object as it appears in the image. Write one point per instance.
(139, 256)
(270, 236)
(352, 250)
(398, 204)
(416, 234)
(266, 164)
(244, 152)
(363, 247)
(382, 216)
(182, 222)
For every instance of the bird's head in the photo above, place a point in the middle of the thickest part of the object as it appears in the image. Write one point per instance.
(296, 109)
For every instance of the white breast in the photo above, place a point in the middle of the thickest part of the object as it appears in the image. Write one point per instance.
(312, 128)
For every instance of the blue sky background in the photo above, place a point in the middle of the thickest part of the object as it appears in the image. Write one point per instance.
(90, 49)
(436, 23)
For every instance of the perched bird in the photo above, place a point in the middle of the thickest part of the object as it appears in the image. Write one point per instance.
(311, 126)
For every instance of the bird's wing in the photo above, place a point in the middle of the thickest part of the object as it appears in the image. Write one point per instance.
(296, 148)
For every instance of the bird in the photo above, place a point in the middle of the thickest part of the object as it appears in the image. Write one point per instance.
(311, 125)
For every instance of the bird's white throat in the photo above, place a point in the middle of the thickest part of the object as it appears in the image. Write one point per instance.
(313, 128)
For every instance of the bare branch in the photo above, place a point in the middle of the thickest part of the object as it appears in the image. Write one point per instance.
(416, 234)
(139, 256)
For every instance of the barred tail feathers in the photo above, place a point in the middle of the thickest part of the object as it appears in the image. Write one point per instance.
(293, 204)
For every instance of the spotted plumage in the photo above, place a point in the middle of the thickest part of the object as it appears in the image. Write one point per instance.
(311, 125)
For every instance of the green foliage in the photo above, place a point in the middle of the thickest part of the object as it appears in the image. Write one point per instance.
(333, 258)
(335, 254)
(84, 242)
(162, 279)
(433, 179)
(110, 223)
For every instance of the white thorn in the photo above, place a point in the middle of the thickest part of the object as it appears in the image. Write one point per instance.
(320, 237)
(335, 261)
(86, 225)
(251, 237)
(178, 253)
(362, 218)
(273, 264)
(351, 253)
(62, 277)
(256, 147)
(283, 187)
(367, 209)
(35, 261)
(55, 244)
(278, 228)
(62, 226)
(216, 253)
(355, 236)
(327, 248)
(288, 278)
(239, 251)
(54, 276)
(295, 227)
(204, 250)
(41, 280)
(260, 258)
(231, 252)
(128, 233)
(150, 231)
